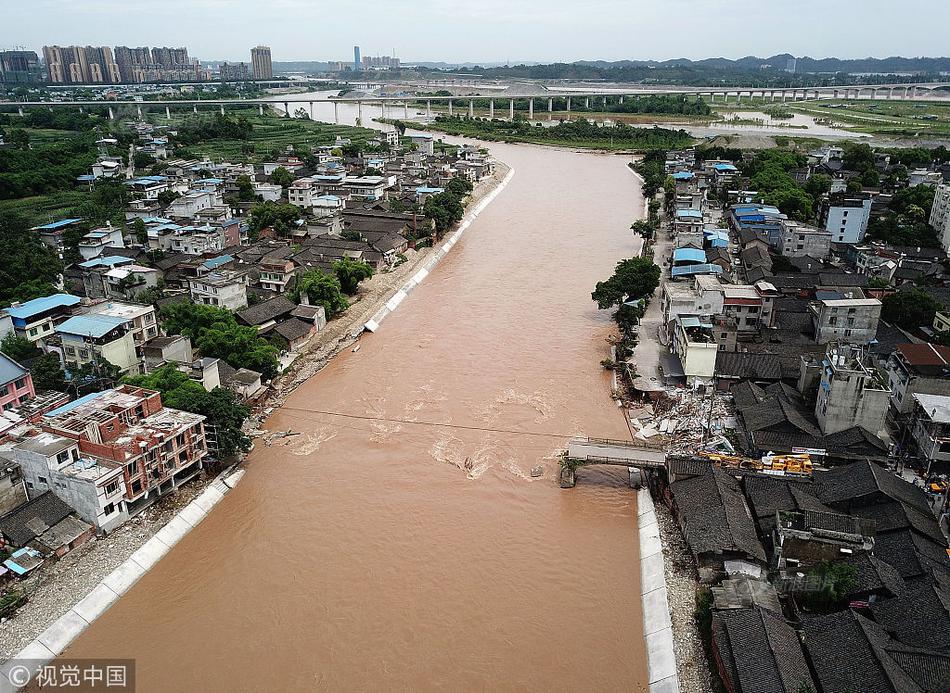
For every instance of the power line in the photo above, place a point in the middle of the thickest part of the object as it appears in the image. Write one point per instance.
(436, 424)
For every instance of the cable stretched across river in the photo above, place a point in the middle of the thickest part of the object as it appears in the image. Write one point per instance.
(385, 419)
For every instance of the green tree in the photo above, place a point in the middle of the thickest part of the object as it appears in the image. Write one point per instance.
(282, 177)
(281, 217)
(215, 333)
(632, 279)
(444, 210)
(220, 406)
(48, 374)
(322, 289)
(643, 228)
(350, 273)
(245, 188)
(858, 156)
(30, 268)
(910, 309)
(460, 187)
(18, 348)
(870, 178)
(167, 197)
(818, 185)
(792, 201)
(140, 231)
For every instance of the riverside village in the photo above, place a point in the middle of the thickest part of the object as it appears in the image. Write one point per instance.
(777, 344)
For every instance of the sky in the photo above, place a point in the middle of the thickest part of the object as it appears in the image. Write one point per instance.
(489, 30)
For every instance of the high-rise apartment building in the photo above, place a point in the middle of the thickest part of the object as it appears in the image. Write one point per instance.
(260, 63)
(175, 58)
(81, 65)
(357, 63)
(20, 67)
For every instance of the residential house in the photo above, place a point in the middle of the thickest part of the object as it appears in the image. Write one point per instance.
(98, 338)
(16, 384)
(52, 234)
(45, 524)
(847, 219)
(801, 239)
(917, 368)
(95, 243)
(940, 215)
(756, 650)
(695, 344)
(851, 392)
(192, 202)
(716, 523)
(846, 319)
(930, 428)
(36, 319)
(111, 454)
(224, 289)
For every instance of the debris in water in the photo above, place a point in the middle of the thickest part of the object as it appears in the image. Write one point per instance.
(537, 471)
(356, 348)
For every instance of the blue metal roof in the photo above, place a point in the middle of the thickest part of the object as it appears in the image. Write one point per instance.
(424, 190)
(41, 305)
(689, 255)
(688, 214)
(110, 261)
(56, 224)
(214, 262)
(211, 181)
(90, 325)
(725, 167)
(689, 270)
(66, 408)
(10, 370)
(157, 220)
(683, 175)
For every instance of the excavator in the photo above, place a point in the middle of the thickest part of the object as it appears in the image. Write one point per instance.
(781, 465)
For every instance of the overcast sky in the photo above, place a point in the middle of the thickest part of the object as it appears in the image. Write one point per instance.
(489, 30)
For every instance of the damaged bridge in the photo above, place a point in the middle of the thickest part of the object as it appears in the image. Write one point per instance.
(621, 453)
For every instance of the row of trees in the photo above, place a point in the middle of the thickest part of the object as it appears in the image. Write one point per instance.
(447, 208)
(580, 132)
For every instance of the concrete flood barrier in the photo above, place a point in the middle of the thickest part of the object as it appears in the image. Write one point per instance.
(657, 623)
(439, 252)
(54, 640)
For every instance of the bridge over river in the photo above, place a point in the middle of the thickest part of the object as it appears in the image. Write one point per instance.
(609, 451)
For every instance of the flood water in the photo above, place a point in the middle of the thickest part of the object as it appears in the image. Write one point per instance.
(399, 543)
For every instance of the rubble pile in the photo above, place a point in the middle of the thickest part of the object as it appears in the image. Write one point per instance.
(685, 421)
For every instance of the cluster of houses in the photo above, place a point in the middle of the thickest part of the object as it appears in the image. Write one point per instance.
(836, 577)
(73, 469)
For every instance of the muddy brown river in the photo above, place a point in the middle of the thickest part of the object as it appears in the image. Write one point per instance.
(400, 543)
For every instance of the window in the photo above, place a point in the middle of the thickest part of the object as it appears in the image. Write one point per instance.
(136, 486)
(112, 487)
(20, 384)
(130, 468)
(42, 480)
(108, 509)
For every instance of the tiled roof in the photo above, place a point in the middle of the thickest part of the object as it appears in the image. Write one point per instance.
(850, 483)
(760, 652)
(919, 617)
(30, 520)
(266, 311)
(714, 515)
(912, 555)
(848, 649)
(873, 576)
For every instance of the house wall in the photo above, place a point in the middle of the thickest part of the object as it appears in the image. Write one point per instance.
(848, 224)
(12, 489)
(13, 396)
(845, 400)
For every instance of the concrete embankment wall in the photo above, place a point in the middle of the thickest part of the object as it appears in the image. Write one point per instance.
(440, 252)
(657, 623)
(51, 642)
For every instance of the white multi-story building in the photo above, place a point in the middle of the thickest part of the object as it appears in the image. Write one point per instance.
(940, 216)
(224, 289)
(847, 221)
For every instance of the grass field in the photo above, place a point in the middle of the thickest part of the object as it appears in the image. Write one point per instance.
(43, 209)
(270, 134)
